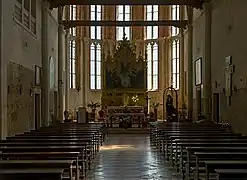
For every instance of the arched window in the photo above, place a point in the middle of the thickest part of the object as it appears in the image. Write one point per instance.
(123, 14)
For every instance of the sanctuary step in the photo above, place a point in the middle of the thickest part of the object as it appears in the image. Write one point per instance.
(128, 131)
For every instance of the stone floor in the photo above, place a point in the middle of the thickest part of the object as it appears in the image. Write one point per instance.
(130, 157)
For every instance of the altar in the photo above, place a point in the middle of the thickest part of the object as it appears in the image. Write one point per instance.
(124, 77)
(133, 115)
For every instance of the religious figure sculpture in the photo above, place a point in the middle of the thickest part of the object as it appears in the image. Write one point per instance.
(169, 107)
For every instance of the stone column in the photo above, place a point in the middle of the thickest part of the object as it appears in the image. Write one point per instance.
(207, 88)
(60, 64)
(3, 83)
(181, 68)
(86, 63)
(45, 66)
(190, 62)
(67, 70)
(84, 77)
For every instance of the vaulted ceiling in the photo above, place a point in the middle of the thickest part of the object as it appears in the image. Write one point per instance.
(193, 3)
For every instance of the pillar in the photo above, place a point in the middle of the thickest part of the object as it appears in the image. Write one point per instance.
(60, 64)
(181, 68)
(84, 75)
(207, 88)
(45, 66)
(67, 70)
(3, 82)
(190, 62)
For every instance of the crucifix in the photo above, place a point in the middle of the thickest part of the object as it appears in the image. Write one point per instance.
(229, 70)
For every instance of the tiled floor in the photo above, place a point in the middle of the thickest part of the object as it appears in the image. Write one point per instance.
(130, 157)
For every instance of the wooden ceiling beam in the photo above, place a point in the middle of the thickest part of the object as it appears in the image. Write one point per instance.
(180, 24)
(193, 3)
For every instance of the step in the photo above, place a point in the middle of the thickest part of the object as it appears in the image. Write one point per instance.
(128, 131)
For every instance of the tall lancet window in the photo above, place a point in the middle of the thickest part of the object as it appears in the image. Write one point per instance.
(72, 48)
(123, 14)
(95, 49)
(152, 14)
(151, 35)
(175, 48)
(152, 66)
(175, 15)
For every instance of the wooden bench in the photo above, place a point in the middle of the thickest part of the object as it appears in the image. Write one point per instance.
(33, 156)
(182, 144)
(37, 174)
(191, 150)
(231, 174)
(52, 146)
(67, 165)
(211, 165)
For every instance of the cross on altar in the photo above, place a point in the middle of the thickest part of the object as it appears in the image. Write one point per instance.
(229, 70)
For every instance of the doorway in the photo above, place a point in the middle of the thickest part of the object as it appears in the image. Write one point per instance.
(216, 107)
(37, 111)
(199, 101)
(55, 106)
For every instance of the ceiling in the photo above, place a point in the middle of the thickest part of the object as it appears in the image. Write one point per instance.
(193, 3)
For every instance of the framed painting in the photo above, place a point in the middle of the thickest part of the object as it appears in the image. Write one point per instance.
(37, 75)
(198, 72)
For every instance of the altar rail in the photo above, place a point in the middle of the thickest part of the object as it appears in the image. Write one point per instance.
(135, 119)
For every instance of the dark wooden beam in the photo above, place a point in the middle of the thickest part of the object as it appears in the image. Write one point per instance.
(69, 24)
(194, 3)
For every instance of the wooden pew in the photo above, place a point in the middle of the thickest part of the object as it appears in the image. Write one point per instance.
(171, 137)
(38, 164)
(72, 156)
(21, 149)
(169, 133)
(179, 144)
(211, 165)
(17, 144)
(231, 174)
(199, 165)
(191, 150)
(37, 174)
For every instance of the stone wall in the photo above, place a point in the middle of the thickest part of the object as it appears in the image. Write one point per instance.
(20, 51)
(20, 99)
(227, 39)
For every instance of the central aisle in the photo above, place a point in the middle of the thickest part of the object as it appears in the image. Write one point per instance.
(129, 157)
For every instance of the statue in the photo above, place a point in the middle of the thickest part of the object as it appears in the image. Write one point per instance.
(169, 107)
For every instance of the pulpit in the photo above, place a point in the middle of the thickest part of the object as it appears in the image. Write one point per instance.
(124, 77)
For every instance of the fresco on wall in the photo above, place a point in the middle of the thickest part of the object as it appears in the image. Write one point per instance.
(20, 99)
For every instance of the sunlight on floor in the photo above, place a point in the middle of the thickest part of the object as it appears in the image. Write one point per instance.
(130, 157)
(114, 147)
